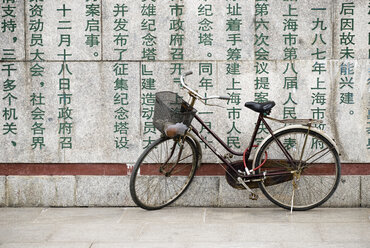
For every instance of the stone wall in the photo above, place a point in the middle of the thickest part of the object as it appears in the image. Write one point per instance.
(79, 77)
(109, 191)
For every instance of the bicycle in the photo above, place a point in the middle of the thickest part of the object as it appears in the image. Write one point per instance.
(297, 167)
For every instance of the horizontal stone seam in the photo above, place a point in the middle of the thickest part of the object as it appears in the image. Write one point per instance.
(119, 169)
(172, 61)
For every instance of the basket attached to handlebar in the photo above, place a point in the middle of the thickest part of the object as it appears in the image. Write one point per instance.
(170, 108)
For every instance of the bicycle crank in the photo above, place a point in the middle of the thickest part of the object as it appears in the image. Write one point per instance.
(253, 196)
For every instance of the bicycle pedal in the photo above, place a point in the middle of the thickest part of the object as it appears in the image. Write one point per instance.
(253, 196)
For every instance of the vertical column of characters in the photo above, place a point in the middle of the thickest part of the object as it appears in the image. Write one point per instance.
(290, 74)
(262, 52)
(92, 25)
(319, 56)
(37, 70)
(148, 88)
(176, 30)
(205, 24)
(205, 72)
(8, 16)
(205, 12)
(121, 102)
(148, 82)
(65, 118)
(9, 96)
(11, 30)
(120, 29)
(148, 25)
(233, 69)
(347, 53)
(120, 70)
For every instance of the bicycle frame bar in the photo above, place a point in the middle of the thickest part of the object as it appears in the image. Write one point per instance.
(220, 141)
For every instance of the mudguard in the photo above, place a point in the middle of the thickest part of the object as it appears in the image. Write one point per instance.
(294, 127)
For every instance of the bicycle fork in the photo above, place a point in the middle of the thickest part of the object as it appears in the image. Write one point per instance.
(179, 143)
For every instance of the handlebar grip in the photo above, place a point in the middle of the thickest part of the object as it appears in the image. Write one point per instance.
(225, 98)
(188, 73)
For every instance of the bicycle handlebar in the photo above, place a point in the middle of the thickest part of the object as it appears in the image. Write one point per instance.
(196, 94)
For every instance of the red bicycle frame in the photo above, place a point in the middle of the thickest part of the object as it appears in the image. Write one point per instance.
(260, 120)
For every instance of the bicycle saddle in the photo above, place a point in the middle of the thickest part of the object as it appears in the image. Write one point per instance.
(260, 107)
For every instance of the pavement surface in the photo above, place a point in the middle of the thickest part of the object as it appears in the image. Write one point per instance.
(183, 227)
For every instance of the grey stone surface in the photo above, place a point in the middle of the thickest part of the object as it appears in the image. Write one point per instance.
(336, 232)
(72, 22)
(168, 215)
(111, 232)
(95, 98)
(359, 12)
(233, 244)
(48, 245)
(14, 39)
(35, 191)
(114, 191)
(331, 244)
(78, 215)
(299, 25)
(2, 191)
(365, 191)
(318, 215)
(131, 41)
(347, 193)
(93, 101)
(230, 197)
(194, 227)
(13, 145)
(218, 16)
(347, 116)
(10, 232)
(19, 215)
(203, 191)
(103, 191)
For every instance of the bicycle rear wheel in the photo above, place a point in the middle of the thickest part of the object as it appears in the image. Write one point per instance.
(314, 176)
(163, 172)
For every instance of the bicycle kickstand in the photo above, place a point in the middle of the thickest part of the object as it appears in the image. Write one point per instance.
(253, 196)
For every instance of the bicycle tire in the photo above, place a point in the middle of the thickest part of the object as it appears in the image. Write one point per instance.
(156, 170)
(319, 163)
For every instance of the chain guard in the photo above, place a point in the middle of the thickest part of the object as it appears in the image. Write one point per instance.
(231, 176)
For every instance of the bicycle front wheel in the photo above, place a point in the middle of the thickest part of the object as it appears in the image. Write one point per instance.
(163, 172)
(312, 178)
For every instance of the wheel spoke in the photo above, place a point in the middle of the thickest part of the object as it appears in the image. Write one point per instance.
(154, 190)
(314, 187)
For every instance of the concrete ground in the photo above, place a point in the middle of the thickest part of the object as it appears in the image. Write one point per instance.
(183, 227)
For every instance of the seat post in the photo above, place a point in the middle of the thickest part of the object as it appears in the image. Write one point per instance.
(253, 138)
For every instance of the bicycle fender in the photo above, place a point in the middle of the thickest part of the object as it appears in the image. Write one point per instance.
(293, 127)
(198, 147)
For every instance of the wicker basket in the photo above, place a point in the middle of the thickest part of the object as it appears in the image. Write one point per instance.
(169, 109)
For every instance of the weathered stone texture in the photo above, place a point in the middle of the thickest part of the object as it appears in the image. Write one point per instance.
(365, 191)
(318, 31)
(103, 191)
(56, 191)
(230, 197)
(203, 191)
(347, 193)
(2, 191)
